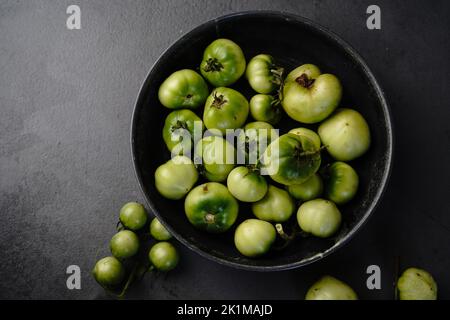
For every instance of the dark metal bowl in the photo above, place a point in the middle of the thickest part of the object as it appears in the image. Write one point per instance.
(293, 41)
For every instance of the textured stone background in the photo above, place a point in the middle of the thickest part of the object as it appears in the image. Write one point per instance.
(66, 99)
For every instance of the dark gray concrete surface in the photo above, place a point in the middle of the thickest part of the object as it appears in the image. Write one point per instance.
(66, 99)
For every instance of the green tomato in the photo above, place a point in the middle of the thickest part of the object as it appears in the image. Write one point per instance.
(266, 108)
(329, 288)
(246, 185)
(416, 284)
(163, 256)
(211, 207)
(345, 134)
(254, 237)
(308, 190)
(276, 206)
(158, 231)
(133, 216)
(291, 159)
(217, 157)
(263, 75)
(342, 183)
(314, 137)
(179, 130)
(319, 217)
(108, 272)
(254, 139)
(309, 96)
(176, 177)
(223, 63)
(225, 108)
(124, 244)
(183, 89)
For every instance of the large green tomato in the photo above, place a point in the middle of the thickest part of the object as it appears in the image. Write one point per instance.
(263, 75)
(223, 63)
(109, 272)
(133, 216)
(329, 288)
(342, 183)
(308, 133)
(254, 237)
(319, 217)
(217, 157)
(308, 190)
(124, 244)
(345, 134)
(291, 159)
(163, 256)
(183, 89)
(276, 206)
(416, 284)
(246, 185)
(176, 177)
(265, 108)
(225, 108)
(211, 207)
(254, 139)
(179, 131)
(309, 96)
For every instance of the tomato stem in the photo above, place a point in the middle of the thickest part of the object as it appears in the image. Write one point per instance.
(212, 64)
(304, 81)
(219, 101)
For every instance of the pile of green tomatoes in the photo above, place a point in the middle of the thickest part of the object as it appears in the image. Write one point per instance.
(131, 256)
(288, 176)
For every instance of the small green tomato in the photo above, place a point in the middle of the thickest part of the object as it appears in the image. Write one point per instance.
(310, 96)
(183, 89)
(276, 206)
(176, 177)
(262, 74)
(246, 185)
(345, 134)
(211, 207)
(133, 216)
(308, 190)
(163, 256)
(254, 237)
(329, 288)
(342, 183)
(416, 284)
(158, 231)
(265, 108)
(319, 217)
(124, 244)
(108, 272)
(223, 63)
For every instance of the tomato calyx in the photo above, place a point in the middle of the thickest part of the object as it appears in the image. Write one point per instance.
(304, 81)
(212, 64)
(179, 125)
(219, 101)
(210, 218)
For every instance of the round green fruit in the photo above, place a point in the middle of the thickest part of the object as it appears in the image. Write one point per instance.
(211, 207)
(254, 237)
(183, 89)
(345, 134)
(176, 177)
(223, 63)
(319, 217)
(329, 288)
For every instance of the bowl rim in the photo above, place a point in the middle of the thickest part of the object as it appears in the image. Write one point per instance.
(386, 113)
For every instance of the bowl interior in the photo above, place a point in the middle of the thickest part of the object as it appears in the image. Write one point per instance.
(292, 41)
